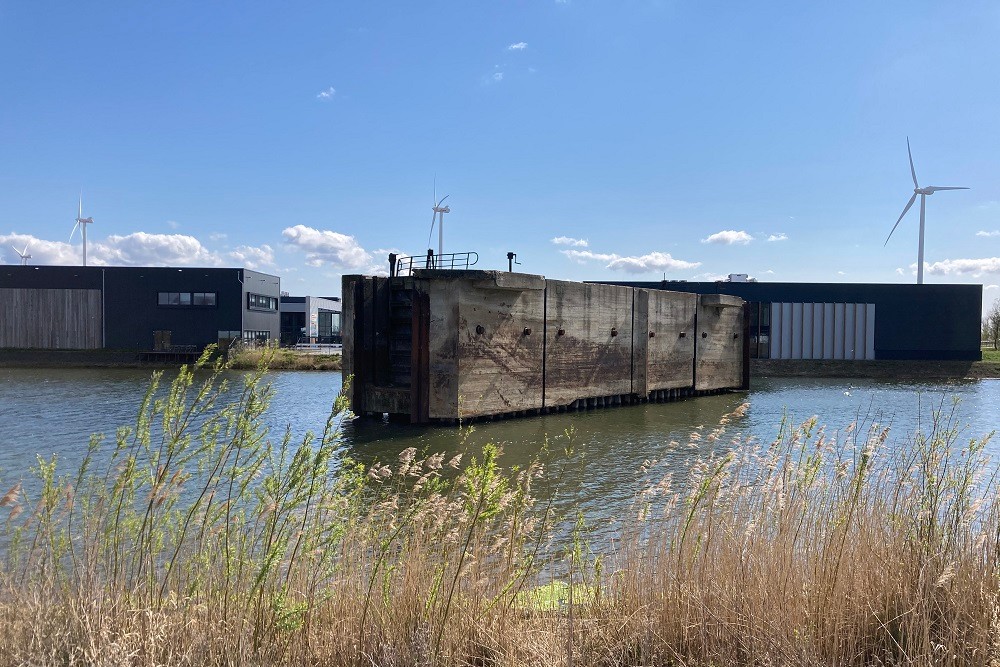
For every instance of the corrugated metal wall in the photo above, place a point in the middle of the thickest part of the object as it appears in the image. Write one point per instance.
(68, 319)
(822, 331)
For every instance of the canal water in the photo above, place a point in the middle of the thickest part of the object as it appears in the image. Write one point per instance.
(46, 412)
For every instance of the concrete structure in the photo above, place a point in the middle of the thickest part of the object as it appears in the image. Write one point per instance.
(443, 345)
(852, 321)
(134, 308)
(310, 319)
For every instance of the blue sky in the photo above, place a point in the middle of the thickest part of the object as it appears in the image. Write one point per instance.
(304, 138)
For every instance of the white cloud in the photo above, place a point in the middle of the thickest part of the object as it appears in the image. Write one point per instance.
(841, 273)
(780, 236)
(654, 261)
(173, 224)
(769, 272)
(569, 240)
(218, 236)
(729, 237)
(326, 94)
(519, 46)
(988, 234)
(136, 249)
(710, 277)
(328, 248)
(253, 257)
(900, 271)
(142, 249)
(41, 251)
(962, 266)
(991, 287)
(498, 76)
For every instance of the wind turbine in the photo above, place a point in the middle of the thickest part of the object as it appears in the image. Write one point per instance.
(82, 223)
(23, 254)
(438, 215)
(923, 192)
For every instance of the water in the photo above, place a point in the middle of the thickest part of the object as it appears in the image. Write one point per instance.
(46, 412)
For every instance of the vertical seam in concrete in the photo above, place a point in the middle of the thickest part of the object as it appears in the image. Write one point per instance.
(694, 360)
(545, 335)
(631, 375)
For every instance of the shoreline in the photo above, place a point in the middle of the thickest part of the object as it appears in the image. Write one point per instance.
(284, 359)
(126, 359)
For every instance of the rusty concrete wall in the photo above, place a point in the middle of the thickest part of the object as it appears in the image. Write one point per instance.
(491, 343)
(719, 357)
(500, 344)
(348, 311)
(588, 337)
(664, 345)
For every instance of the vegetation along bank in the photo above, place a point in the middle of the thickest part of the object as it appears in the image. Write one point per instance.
(193, 537)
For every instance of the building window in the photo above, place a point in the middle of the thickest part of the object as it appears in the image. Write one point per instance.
(203, 298)
(262, 302)
(256, 336)
(186, 299)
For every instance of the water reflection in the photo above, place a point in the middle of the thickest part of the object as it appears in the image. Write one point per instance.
(46, 412)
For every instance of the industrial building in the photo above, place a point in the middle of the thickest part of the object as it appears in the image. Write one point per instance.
(135, 308)
(852, 321)
(310, 319)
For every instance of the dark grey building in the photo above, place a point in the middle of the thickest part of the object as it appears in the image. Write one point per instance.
(134, 308)
(860, 321)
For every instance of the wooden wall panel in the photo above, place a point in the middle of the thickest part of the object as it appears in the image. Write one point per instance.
(587, 360)
(718, 356)
(66, 319)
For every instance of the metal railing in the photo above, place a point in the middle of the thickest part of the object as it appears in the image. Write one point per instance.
(460, 261)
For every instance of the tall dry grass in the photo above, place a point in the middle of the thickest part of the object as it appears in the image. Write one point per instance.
(200, 538)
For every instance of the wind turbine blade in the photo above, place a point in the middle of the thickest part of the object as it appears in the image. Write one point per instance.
(913, 198)
(431, 233)
(80, 215)
(14, 249)
(25, 249)
(935, 188)
(913, 172)
(442, 199)
(74, 230)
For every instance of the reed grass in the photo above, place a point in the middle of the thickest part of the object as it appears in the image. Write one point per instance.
(249, 358)
(194, 536)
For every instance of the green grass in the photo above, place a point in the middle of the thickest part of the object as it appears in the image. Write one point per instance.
(991, 355)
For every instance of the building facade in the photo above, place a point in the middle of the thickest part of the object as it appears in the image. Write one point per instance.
(311, 319)
(134, 308)
(853, 321)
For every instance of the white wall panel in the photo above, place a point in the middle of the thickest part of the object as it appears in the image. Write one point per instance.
(796, 331)
(838, 331)
(829, 326)
(817, 345)
(775, 343)
(869, 331)
(849, 331)
(807, 330)
(786, 331)
(859, 330)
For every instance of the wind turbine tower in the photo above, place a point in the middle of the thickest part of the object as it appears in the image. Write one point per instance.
(82, 223)
(923, 192)
(440, 211)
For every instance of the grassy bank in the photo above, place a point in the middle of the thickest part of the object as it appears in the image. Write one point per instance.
(283, 359)
(204, 540)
